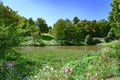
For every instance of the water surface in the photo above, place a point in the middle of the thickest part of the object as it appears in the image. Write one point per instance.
(83, 48)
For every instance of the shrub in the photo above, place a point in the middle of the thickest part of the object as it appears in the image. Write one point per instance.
(9, 38)
(16, 69)
(111, 36)
(95, 41)
(89, 40)
(47, 37)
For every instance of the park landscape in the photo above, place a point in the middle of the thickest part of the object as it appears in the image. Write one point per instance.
(69, 50)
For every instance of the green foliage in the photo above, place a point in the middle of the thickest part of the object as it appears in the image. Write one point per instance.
(94, 28)
(47, 37)
(66, 33)
(96, 41)
(9, 38)
(114, 17)
(75, 20)
(33, 31)
(58, 29)
(103, 28)
(99, 66)
(41, 24)
(7, 15)
(82, 65)
(113, 50)
(111, 36)
(16, 69)
(116, 29)
(88, 40)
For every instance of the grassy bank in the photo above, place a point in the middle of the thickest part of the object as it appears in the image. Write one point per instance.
(43, 40)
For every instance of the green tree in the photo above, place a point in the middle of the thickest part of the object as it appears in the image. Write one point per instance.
(81, 25)
(114, 17)
(67, 33)
(72, 35)
(103, 27)
(42, 25)
(76, 20)
(10, 36)
(58, 29)
(50, 29)
(33, 30)
(8, 15)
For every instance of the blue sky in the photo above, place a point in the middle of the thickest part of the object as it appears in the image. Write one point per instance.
(52, 10)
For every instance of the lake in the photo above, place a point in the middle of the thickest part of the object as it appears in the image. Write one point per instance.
(83, 48)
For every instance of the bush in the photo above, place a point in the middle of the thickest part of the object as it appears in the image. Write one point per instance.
(16, 69)
(111, 36)
(95, 41)
(47, 37)
(9, 38)
(89, 40)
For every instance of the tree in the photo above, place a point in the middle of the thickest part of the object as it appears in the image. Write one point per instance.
(75, 20)
(10, 37)
(8, 15)
(58, 29)
(103, 27)
(67, 33)
(50, 29)
(33, 30)
(72, 35)
(42, 25)
(114, 17)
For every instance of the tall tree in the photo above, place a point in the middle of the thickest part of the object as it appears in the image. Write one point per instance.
(58, 29)
(9, 35)
(114, 17)
(67, 33)
(76, 20)
(103, 28)
(33, 30)
(42, 25)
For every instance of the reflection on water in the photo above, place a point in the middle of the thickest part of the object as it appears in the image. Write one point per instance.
(84, 48)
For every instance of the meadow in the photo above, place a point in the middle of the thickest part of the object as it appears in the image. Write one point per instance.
(65, 64)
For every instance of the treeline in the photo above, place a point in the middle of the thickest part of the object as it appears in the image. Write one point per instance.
(65, 32)
(74, 32)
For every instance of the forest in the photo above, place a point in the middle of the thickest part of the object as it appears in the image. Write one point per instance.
(16, 31)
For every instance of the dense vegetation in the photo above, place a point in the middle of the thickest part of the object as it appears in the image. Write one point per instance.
(71, 32)
(16, 31)
(114, 17)
(65, 32)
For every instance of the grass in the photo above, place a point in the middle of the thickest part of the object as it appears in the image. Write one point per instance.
(55, 58)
